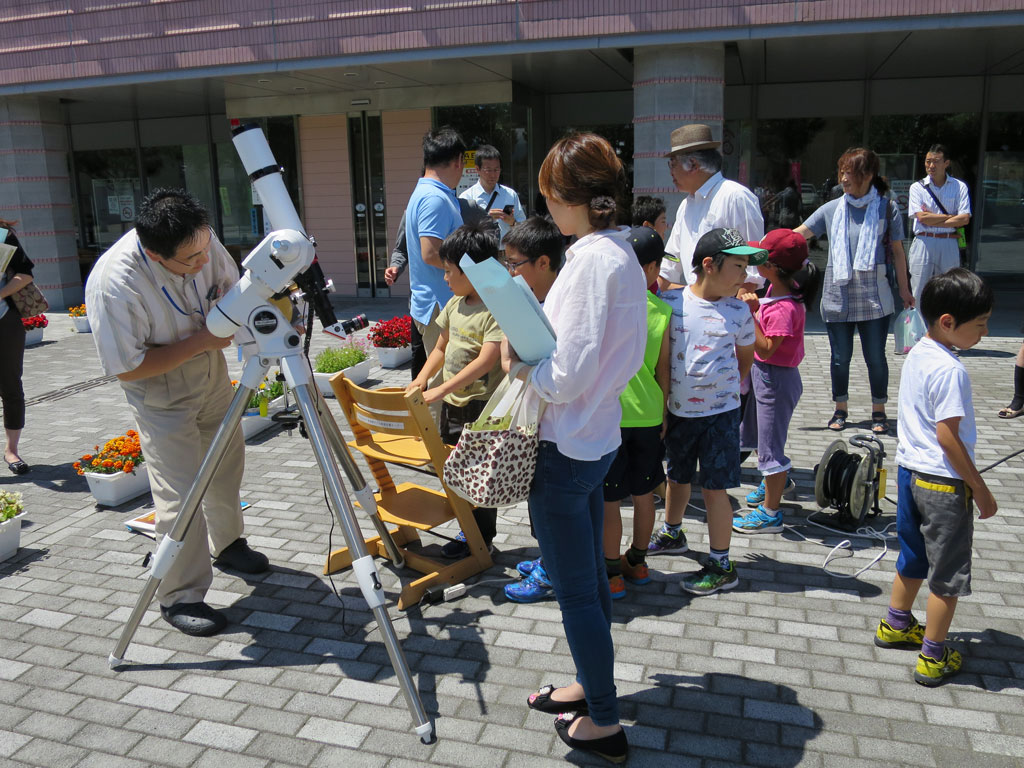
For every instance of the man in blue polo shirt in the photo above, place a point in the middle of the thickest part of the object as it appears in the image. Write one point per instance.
(432, 215)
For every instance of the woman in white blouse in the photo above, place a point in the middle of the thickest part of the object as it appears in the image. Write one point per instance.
(597, 308)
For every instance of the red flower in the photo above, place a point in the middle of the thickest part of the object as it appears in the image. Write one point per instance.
(396, 332)
(39, 321)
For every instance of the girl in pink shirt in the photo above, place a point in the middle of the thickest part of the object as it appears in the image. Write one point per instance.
(775, 377)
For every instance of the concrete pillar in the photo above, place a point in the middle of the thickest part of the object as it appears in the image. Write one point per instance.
(672, 86)
(35, 191)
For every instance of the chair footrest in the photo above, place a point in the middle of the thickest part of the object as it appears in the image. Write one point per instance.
(415, 506)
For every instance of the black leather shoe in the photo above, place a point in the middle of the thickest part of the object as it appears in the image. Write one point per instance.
(613, 748)
(18, 467)
(239, 557)
(197, 619)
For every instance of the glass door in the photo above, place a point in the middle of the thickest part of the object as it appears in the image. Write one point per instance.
(369, 212)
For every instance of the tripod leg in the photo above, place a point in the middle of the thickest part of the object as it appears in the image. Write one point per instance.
(170, 544)
(362, 562)
(360, 489)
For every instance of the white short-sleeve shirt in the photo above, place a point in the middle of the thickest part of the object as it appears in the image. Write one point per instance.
(934, 386)
(718, 203)
(953, 194)
(136, 304)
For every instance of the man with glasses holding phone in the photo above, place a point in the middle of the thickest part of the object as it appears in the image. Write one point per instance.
(499, 202)
(148, 298)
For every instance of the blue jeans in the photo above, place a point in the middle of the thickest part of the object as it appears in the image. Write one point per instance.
(567, 506)
(873, 334)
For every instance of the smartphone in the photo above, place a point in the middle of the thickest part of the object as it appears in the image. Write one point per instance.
(507, 210)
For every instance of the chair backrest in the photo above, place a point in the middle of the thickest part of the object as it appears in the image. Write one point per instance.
(390, 411)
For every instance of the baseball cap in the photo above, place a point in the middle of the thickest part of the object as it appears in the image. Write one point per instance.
(647, 244)
(785, 248)
(729, 241)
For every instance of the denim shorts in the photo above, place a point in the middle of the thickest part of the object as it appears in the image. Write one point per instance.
(637, 469)
(714, 441)
(935, 524)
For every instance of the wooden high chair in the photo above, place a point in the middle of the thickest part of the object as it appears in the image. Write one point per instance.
(391, 427)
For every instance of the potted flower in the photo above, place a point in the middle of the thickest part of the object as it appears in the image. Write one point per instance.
(256, 418)
(11, 510)
(392, 339)
(352, 359)
(34, 329)
(116, 472)
(79, 319)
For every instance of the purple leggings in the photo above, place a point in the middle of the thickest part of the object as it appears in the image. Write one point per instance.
(776, 391)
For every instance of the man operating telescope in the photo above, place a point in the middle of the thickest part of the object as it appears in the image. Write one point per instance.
(149, 296)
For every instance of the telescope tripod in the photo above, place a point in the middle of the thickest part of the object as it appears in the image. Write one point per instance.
(325, 437)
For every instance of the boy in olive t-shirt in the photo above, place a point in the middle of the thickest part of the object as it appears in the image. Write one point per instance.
(468, 352)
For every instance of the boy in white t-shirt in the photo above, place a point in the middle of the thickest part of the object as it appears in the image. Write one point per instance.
(937, 475)
(712, 335)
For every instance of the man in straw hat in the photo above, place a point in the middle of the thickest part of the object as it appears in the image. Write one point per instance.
(711, 201)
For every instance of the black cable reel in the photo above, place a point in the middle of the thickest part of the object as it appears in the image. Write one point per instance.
(850, 483)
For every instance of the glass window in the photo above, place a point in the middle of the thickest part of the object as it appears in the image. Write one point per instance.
(794, 165)
(504, 127)
(1001, 214)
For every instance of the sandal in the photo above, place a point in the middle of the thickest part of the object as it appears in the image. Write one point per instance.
(1009, 412)
(838, 421)
(879, 423)
(542, 702)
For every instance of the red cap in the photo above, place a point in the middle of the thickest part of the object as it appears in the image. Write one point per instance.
(785, 248)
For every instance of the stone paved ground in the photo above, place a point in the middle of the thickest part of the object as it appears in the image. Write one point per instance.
(781, 672)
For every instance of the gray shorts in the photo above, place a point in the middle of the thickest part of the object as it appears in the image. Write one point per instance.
(935, 523)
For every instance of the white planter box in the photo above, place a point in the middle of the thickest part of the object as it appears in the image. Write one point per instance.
(82, 324)
(34, 336)
(10, 537)
(112, 490)
(357, 374)
(393, 357)
(254, 425)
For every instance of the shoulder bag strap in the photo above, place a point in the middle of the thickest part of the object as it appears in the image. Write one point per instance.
(935, 198)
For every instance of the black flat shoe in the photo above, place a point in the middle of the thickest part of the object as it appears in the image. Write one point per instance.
(18, 467)
(613, 748)
(542, 702)
(239, 556)
(196, 619)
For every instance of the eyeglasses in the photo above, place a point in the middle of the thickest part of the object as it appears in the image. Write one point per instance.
(514, 265)
(193, 260)
(489, 170)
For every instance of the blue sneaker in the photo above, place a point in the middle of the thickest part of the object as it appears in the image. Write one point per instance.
(532, 589)
(526, 567)
(758, 521)
(757, 497)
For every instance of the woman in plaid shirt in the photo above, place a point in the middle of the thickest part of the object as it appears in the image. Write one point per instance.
(856, 294)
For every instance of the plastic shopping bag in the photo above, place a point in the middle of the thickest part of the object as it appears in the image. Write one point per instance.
(910, 329)
(494, 461)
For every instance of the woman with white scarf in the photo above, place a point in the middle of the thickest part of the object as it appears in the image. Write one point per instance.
(856, 294)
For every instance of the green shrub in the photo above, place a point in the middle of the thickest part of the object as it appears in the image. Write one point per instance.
(334, 360)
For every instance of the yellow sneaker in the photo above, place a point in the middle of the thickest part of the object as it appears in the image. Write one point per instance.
(911, 637)
(932, 672)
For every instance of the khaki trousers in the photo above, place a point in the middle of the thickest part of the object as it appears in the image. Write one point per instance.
(177, 415)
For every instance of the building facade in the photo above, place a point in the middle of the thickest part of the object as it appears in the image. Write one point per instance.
(102, 102)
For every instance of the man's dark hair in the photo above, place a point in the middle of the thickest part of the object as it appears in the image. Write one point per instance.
(486, 152)
(478, 240)
(168, 219)
(959, 293)
(537, 236)
(647, 208)
(939, 149)
(441, 146)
